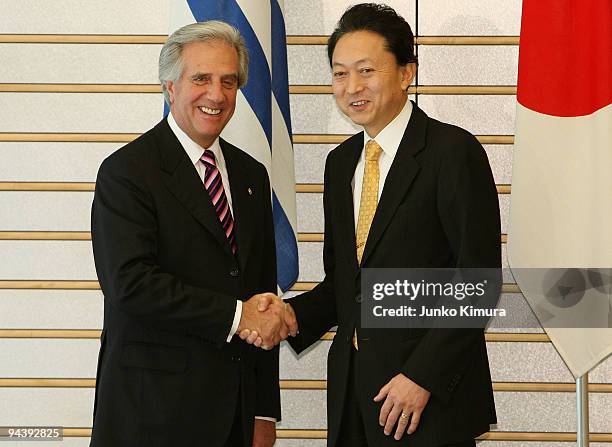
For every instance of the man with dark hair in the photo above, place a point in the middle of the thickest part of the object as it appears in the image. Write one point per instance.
(407, 192)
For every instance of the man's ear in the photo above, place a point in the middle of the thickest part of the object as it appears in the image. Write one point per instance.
(408, 74)
(170, 89)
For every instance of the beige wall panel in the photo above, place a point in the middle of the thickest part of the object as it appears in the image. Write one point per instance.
(602, 373)
(51, 309)
(300, 442)
(54, 358)
(600, 412)
(516, 411)
(510, 362)
(519, 317)
(30, 406)
(504, 210)
(73, 260)
(534, 444)
(47, 260)
(310, 161)
(310, 365)
(79, 162)
(311, 264)
(526, 362)
(80, 112)
(470, 17)
(550, 412)
(308, 64)
(310, 211)
(467, 65)
(84, 442)
(500, 159)
(479, 114)
(311, 261)
(298, 406)
(66, 442)
(45, 211)
(53, 162)
(80, 63)
(320, 16)
(507, 274)
(318, 114)
(57, 358)
(79, 17)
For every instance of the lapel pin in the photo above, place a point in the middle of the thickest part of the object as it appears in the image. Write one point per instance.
(250, 191)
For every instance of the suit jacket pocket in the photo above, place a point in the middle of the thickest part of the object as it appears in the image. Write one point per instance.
(154, 357)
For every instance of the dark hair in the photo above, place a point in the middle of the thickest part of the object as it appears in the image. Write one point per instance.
(380, 19)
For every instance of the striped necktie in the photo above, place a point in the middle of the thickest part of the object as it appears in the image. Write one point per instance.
(214, 186)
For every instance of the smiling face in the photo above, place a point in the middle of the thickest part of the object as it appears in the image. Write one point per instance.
(203, 99)
(368, 84)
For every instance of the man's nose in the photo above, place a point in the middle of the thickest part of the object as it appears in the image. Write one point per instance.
(354, 84)
(215, 92)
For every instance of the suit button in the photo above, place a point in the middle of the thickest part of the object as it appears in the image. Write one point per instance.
(236, 358)
(234, 272)
(358, 298)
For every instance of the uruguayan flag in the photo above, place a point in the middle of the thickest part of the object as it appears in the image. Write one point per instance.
(261, 124)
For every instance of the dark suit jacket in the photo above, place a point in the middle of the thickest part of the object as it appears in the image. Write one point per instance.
(438, 209)
(166, 375)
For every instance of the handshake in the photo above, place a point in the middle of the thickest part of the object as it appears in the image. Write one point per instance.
(266, 321)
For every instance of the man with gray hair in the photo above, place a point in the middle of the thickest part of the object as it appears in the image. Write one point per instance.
(183, 242)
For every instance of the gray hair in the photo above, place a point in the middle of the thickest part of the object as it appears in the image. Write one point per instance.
(170, 57)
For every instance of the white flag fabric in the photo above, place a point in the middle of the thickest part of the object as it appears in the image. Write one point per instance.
(561, 203)
(261, 125)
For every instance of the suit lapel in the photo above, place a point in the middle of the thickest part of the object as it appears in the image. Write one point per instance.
(244, 193)
(183, 181)
(343, 178)
(401, 175)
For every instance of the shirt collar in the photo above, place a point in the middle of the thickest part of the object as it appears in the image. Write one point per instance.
(390, 137)
(193, 149)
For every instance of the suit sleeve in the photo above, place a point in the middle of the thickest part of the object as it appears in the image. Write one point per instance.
(316, 310)
(124, 237)
(469, 211)
(267, 402)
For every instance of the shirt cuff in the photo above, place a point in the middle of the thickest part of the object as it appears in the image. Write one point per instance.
(236, 322)
(264, 418)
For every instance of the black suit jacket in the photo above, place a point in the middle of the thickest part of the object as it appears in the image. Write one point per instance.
(438, 209)
(166, 375)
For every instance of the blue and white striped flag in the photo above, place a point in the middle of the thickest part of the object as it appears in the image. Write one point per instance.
(261, 125)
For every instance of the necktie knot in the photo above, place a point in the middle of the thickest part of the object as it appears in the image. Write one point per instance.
(208, 158)
(373, 150)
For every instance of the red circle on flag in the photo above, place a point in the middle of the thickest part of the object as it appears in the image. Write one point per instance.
(565, 56)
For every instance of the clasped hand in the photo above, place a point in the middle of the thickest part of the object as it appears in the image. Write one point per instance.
(266, 320)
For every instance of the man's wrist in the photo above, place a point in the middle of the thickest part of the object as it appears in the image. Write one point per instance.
(266, 418)
(236, 321)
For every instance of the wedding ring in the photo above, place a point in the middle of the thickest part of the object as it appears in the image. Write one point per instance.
(404, 416)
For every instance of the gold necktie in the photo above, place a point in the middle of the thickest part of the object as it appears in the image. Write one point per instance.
(369, 196)
(368, 203)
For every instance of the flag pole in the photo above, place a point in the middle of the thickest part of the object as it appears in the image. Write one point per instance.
(582, 410)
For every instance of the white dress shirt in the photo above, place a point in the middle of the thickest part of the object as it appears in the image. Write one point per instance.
(389, 140)
(195, 152)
